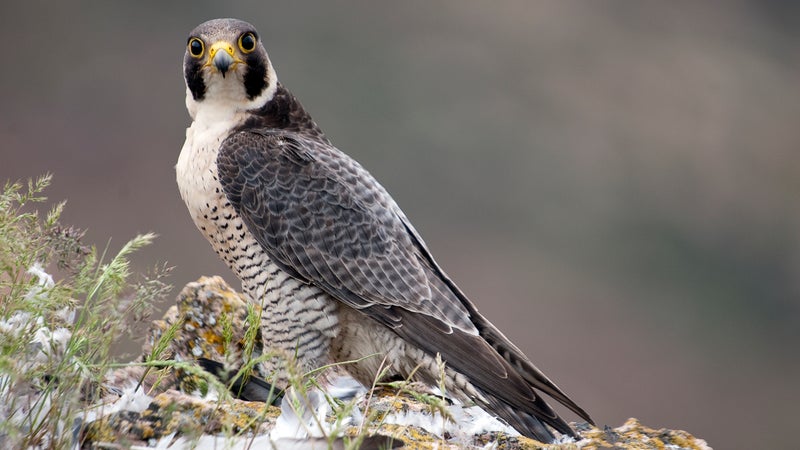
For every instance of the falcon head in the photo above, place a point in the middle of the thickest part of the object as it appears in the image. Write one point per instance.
(226, 62)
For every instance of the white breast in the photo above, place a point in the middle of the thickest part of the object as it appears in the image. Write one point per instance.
(203, 194)
(297, 317)
(196, 169)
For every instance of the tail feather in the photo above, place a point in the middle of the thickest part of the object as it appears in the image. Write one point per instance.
(513, 359)
(526, 369)
(528, 424)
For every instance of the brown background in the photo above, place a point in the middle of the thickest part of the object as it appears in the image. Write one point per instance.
(615, 184)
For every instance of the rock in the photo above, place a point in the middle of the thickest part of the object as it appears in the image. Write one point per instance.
(187, 410)
(633, 435)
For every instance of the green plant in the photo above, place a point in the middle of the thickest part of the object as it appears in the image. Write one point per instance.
(56, 335)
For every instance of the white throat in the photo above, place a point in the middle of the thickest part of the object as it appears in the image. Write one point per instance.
(225, 99)
(224, 108)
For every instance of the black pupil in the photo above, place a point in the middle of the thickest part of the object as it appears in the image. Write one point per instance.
(196, 47)
(248, 42)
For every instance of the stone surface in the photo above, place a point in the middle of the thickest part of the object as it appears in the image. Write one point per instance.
(183, 409)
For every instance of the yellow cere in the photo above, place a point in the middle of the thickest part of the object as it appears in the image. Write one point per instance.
(221, 45)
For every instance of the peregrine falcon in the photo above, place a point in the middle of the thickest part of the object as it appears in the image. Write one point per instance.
(337, 267)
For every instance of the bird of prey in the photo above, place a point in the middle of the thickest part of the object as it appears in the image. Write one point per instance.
(338, 269)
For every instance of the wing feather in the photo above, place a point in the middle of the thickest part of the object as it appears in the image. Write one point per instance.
(319, 214)
(323, 218)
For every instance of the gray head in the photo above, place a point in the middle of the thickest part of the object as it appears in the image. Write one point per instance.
(225, 59)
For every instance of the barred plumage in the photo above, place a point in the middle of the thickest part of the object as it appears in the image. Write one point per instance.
(338, 268)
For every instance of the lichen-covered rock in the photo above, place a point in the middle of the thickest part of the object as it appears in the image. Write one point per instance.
(210, 321)
(173, 412)
(634, 436)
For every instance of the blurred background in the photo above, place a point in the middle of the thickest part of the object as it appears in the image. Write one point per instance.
(615, 184)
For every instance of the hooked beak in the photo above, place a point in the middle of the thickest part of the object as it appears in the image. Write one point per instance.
(221, 56)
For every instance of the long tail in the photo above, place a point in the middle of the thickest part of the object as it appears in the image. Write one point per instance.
(525, 368)
(527, 424)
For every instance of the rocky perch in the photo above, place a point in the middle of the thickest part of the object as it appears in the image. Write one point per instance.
(165, 400)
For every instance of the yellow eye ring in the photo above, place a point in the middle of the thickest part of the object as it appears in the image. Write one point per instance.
(195, 47)
(247, 42)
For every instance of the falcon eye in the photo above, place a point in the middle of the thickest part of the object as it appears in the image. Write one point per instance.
(196, 47)
(247, 42)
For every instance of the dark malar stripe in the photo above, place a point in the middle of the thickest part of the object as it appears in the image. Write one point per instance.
(255, 78)
(194, 77)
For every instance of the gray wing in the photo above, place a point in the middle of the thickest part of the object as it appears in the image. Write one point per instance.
(324, 219)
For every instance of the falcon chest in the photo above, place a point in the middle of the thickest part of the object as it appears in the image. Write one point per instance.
(298, 318)
(204, 197)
